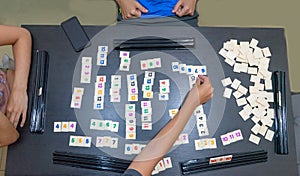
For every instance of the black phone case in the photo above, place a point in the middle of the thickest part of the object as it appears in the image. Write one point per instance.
(75, 33)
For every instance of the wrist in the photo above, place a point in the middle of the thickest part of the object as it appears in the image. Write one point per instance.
(191, 101)
(19, 88)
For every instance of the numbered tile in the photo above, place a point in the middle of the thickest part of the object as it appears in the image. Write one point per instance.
(133, 98)
(103, 49)
(57, 127)
(114, 143)
(157, 62)
(147, 94)
(87, 142)
(184, 138)
(161, 166)
(115, 127)
(212, 144)
(108, 125)
(99, 141)
(124, 54)
(136, 149)
(64, 126)
(144, 65)
(131, 135)
(128, 149)
(163, 97)
(212, 160)
(146, 126)
(106, 141)
(225, 139)
(73, 141)
(146, 111)
(100, 125)
(168, 162)
(146, 118)
(198, 145)
(130, 128)
(175, 66)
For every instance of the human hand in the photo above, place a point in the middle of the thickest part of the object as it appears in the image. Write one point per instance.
(131, 9)
(202, 91)
(184, 7)
(17, 107)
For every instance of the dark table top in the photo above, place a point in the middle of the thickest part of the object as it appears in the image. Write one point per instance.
(32, 154)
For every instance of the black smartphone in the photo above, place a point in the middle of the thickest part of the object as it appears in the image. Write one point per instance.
(75, 33)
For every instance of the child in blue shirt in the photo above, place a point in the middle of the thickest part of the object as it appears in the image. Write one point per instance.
(156, 8)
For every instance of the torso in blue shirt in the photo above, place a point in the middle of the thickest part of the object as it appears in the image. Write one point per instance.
(158, 8)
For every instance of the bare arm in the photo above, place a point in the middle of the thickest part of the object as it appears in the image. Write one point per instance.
(20, 39)
(185, 7)
(131, 8)
(8, 133)
(164, 140)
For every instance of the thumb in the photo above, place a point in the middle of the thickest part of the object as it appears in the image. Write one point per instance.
(176, 7)
(142, 8)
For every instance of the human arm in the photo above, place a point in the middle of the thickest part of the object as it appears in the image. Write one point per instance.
(131, 8)
(164, 140)
(184, 7)
(20, 39)
(8, 133)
